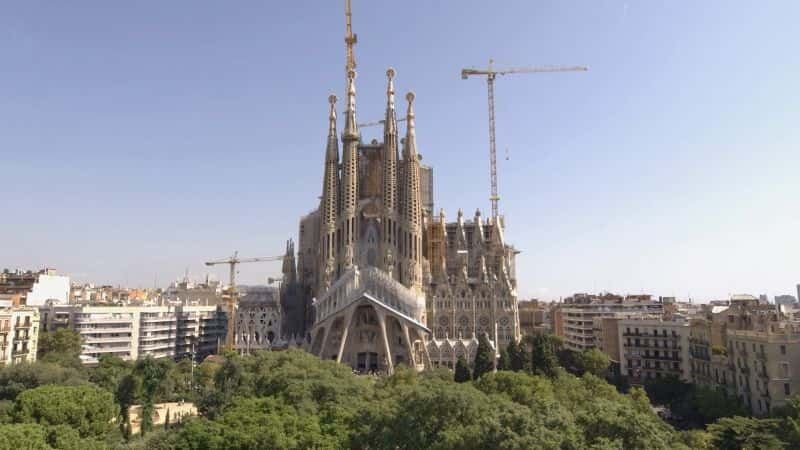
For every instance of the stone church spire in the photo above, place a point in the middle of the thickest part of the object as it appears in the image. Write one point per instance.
(389, 179)
(330, 193)
(349, 189)
(390, 148)
(412, 203)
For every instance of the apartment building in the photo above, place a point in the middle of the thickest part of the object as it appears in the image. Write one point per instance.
(606, 335)
(766, 365)
(578, 313)
(35, 288)
(654, 348)
(534, 317)
(19, 333)
(708, 353)
(131, 332)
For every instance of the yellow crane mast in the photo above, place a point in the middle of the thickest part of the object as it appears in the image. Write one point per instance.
(233, 295)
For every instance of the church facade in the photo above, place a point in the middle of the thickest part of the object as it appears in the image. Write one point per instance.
(379, 278)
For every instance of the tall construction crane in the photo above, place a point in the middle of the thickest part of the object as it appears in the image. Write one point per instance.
(491, 74)
(233, 295)
(350, 39)
(377, 122)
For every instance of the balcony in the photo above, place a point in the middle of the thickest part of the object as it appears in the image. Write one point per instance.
(97, 320)
(152, 347)
(744, 369)
(92, 350)
(158, 319)
(158, 328)
(104, 330)
(26, 324)
(761, 356)
(102, 340)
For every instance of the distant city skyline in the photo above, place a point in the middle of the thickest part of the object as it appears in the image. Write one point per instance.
(141, 140)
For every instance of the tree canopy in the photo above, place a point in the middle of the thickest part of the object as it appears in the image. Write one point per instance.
(484, 357)
(462, 372)
(294, 400)
(62, 347)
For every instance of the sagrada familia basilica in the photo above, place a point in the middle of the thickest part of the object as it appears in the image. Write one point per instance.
(382, 280)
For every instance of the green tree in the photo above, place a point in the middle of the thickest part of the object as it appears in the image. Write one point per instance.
(666, 390)
(517, 358)
(484, 357)
(24, 436)
(503, 362)
(734, 433)
(109, 371)
(62, 347)
(462, 373)
(543, 353)
(87, 409)
(19, 377)
(180, 376)
(151, 373)
(593, 361)
(125, 395)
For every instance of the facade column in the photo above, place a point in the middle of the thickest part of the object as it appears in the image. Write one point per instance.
(409, 346)
(347, 321)
(324, 341)
(382, 322)
(425, 351)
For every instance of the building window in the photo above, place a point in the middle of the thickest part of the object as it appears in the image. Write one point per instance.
(787, 389)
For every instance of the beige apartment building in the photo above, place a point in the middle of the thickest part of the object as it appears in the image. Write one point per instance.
(654, 349)
(19, 335)
(578, 314)
(131, 332)
(708, 353)
(766, 365)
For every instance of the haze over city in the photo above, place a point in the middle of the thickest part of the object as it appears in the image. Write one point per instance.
(139, 140)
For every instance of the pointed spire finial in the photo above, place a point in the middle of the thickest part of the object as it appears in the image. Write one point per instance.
(411, 134)
(390, 124)
(332, 117)
(350, 127)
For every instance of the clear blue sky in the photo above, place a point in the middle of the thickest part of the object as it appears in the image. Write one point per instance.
(142, 138)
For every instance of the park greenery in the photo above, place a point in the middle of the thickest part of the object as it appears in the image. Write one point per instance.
(538, 396)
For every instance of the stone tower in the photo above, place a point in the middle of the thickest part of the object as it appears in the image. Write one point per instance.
(389, 181)
(412, 206)
(329, 205)
(348, 225)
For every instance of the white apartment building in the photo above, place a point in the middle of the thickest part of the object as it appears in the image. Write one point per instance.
(578, 313)
(654, 349)
(19, 335)
(132, 332)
